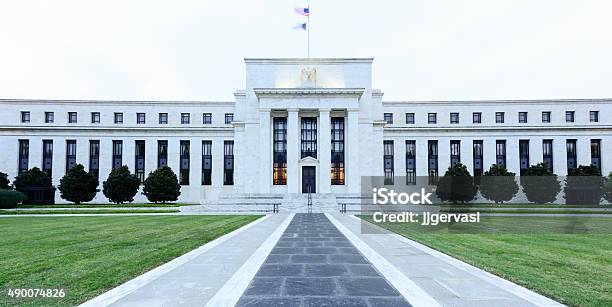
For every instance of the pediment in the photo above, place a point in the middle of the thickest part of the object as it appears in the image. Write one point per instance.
(309, 160)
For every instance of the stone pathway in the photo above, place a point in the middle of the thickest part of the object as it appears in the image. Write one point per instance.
(313, 264)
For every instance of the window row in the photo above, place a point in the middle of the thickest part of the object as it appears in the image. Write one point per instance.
(141, 118)
(477, 157)
(139, 158)
(432, 118)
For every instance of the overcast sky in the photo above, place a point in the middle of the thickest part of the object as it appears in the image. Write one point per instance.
(193, 50)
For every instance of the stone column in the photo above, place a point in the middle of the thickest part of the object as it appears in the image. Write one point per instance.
(353, 176)
(324, 153)
(265, 149)
(293, 151)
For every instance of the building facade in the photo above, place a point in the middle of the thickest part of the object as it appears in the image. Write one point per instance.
(301, 125)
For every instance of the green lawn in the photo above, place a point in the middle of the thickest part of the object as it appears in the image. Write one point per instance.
(100, 211)
(575, 269)
(90, 255)
(526, 211)
(130, 205)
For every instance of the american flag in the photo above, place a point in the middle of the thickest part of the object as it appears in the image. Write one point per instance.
(304, 11)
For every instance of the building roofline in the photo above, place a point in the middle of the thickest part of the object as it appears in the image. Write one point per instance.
(307, 60)
(518, 101)
(47, 101)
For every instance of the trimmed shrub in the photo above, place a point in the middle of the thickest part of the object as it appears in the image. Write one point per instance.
(608, 188)
(10, 198)
(121, 185)
(162, 185)
(540, 185)
(5, 184)
(584, 186)
(78, 186)
(32, 178)
(457, 185)
(498, 184)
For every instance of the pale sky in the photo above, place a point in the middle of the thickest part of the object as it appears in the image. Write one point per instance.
(194, 50)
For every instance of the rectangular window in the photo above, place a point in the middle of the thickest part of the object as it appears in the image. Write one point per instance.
(594, 116)
(207, 118)
(139, 163)
(185, 118)
(388, 117)
(184, 163)
(229, 118)
(49, 117)
(141, 118)
(596, 153)
(118, 118)
(47, 163)
(279, 149)
(432, 118)
(477, 117)
(432, 162)
(24, 153)
(499, 117)
(454, 118)
(206, 162)
(117, 153)
(72, 117)
(337, 150)
(524, 156)
(95, 117)
(388, 162)
(25, 116)
(522, 117)
(546, 117)
(500, 152)
(569, 116)
(70, 154)
(309, 137)
(409, 118)
(163, 118)
(228, 163)
(455, 152)
(477, 156)
(162, 153)
(410, 162)
(94, 158)
(547, 152)
(571, 155)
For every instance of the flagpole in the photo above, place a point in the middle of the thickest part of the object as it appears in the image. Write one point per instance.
(308, 31)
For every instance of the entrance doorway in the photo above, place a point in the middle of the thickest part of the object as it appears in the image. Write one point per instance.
(309, 179)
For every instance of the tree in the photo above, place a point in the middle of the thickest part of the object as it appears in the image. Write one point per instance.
(10, 198)
(584, 186)
(121, 185)
(162, 185)
(608, 188)
(457, 185)
(32, 178)
(5, 184)
(540, 185)
(498, 184)
(78, 185)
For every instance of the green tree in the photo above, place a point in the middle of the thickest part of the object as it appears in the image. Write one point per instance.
(78, 186)
(5, 183)
(540, 185)
(608, 188)
(162, 185)
(121, 185)
(584, 186)
(457, 185)
(32, 178)
(498, 184)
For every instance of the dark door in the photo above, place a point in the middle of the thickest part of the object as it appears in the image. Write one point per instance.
(308, 179)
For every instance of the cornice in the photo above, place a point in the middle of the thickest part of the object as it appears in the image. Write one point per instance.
(114, 102)
(276, 61)
(308, 92)
(489, 102)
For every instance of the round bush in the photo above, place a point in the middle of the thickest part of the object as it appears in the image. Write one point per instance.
(10, 198)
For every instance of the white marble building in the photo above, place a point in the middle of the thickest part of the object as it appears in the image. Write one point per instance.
(277, 136)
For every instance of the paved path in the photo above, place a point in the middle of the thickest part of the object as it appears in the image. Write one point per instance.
(313, 264)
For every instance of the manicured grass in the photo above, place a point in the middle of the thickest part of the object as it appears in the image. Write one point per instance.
(520, 205)
(90, 255)
(527, 211)
(575, 269)
(103, 206)
(68, 211)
